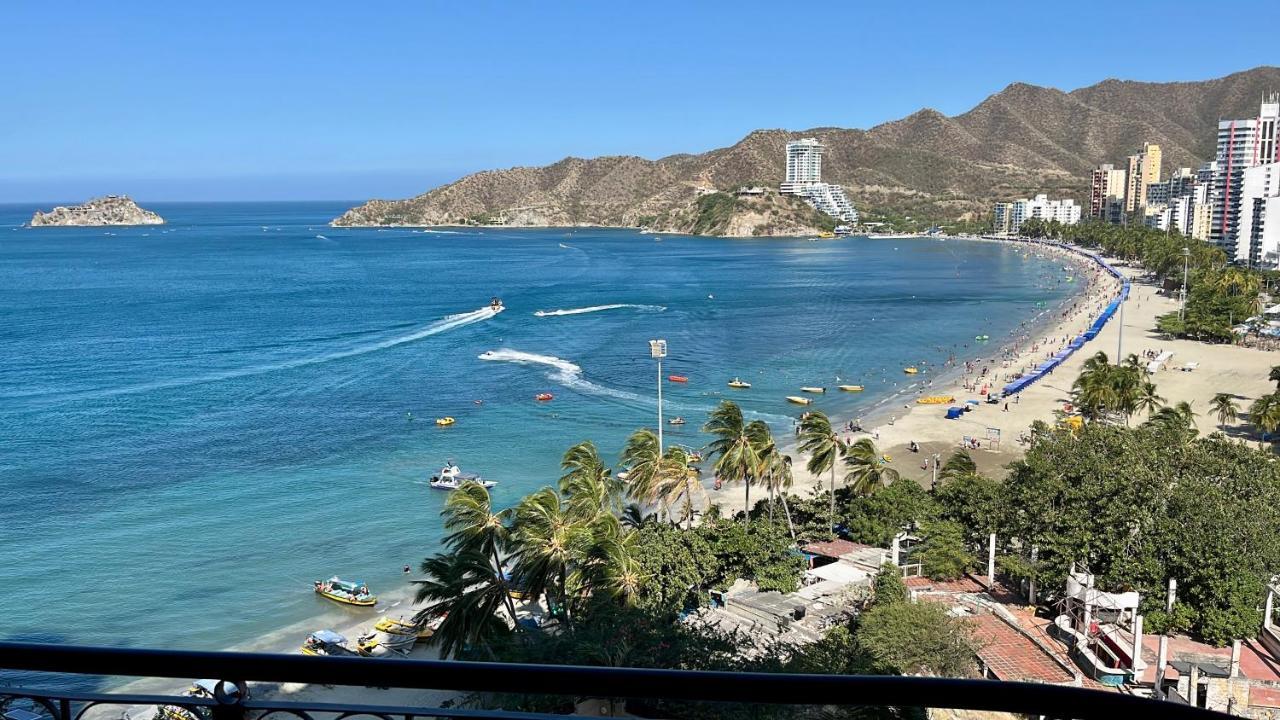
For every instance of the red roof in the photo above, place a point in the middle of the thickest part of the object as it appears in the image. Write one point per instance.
(833, 548)
(966, 584)
(1010, 655)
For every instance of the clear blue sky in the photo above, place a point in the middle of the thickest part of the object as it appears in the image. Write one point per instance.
(327, 100)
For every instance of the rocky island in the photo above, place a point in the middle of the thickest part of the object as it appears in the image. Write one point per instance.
(108, 210)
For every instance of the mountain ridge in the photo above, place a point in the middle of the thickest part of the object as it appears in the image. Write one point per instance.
(1023, 139)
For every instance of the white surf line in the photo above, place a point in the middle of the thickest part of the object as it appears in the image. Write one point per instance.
(445, 324)
(597, 308)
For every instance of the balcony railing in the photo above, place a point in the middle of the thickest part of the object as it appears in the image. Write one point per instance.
(240, 670)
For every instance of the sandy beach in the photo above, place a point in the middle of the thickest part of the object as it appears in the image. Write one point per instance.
(1220, 368)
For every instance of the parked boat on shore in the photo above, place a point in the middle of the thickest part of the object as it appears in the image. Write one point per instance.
(327, 642)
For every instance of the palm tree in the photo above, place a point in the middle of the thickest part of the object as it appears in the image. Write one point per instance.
(1187, 414)
(1225, 408)
(588, 483)
(665, 480)
(1264, 413)
(735, 448)
(959, 465)
(474, 526)
(1148, 399)
(866, 468)
(777, 477)
(460, 587)
(546, 542)
(825, 448)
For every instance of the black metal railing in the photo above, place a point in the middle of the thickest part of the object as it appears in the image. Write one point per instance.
(239, 670)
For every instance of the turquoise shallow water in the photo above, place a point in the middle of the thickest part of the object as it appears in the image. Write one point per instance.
(196, 420)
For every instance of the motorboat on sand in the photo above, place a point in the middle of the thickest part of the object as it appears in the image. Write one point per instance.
(327, 642)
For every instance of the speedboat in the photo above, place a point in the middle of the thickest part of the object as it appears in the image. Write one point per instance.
(811, 389)
(676, 421)
(381, 644)
(543, 397)
(445, 421)
(452, 478)
(346, 592)
(400, 626)
(910, 370)
(740, 384)
(327, 642)
(851, 388)
(678, 378)
(799, 400)
(495, 305)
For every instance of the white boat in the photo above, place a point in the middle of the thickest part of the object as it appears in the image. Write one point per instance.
(452, 478)
(739, 383)
(381, 644)
(798, 400)
(327, 642)
(810, 389)
(676, 421)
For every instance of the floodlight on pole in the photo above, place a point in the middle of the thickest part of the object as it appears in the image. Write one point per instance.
(657, 351)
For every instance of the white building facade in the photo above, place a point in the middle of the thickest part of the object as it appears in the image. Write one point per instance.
(1008, 217)
(1258, 228)
(804, 178)
(1242, 144)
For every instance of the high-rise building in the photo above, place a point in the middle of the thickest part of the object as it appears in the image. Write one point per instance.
(804, 178)
(1242, 144)
(1258, 231)
(1106, 192)
(1143, 169)
(1008, 217)
(804, 164)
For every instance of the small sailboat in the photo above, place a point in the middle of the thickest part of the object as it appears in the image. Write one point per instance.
(850, 388)
(445, 421)
(811, 389)
(327, 642)
(799, 400)
(678, 378)
(452, 478)
(739, 384)
(346, 592)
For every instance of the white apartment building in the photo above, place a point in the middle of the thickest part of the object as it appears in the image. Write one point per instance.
(1242, 144)
(804, 178)
(1008, 217)
(1258, 229)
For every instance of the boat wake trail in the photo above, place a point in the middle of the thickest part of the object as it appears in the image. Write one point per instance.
(598, 308)
(562, 371)
(445, 324)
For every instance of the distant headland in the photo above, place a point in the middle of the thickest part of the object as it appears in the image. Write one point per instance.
(107, 210)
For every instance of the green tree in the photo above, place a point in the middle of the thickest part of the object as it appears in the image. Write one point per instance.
(907, 638)
(888, 588)
(825, 448)
(942, 554)
(1224, 407)
(866, 468)
(737, 447)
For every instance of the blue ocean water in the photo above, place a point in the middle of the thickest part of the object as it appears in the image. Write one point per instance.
(198, 419)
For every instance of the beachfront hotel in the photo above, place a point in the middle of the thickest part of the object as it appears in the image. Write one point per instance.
(804, 178)
(1242, 144)
(1143, 169)
(1258, 231)
(1107, 189)
(1009, 216)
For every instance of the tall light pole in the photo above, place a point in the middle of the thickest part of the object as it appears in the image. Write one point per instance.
(657, 351)
(1186, 263)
